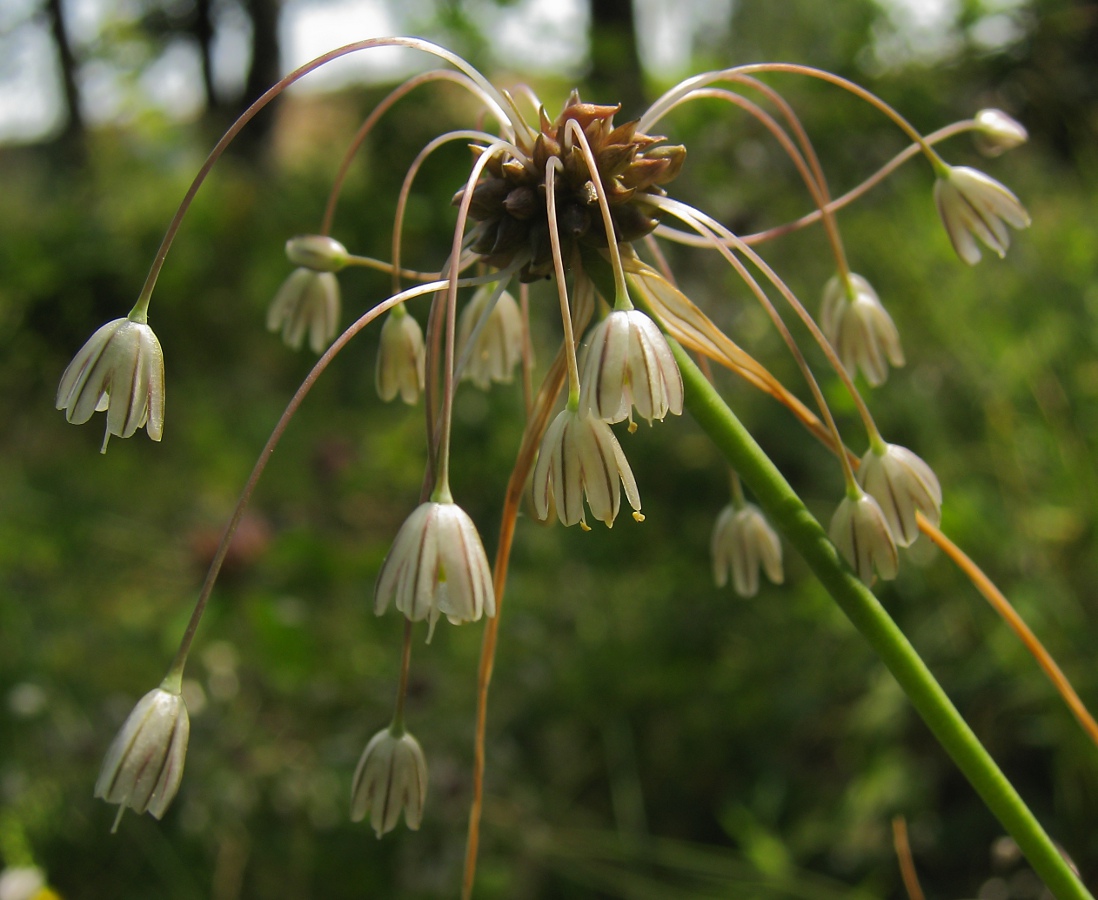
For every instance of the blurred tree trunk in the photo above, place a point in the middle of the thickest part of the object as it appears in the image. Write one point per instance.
(616, 75)
(202, 28)
(73, 131)
(264, 71)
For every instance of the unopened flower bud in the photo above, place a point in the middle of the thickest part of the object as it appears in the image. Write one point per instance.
(120, 370)
(144, 764)
(391, 778)
(997, 132)
(317, 251)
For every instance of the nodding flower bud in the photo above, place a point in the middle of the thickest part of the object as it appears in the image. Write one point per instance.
(996, 132)
(860, 329)
(860, 531)
(144, 764)
(317, 252)
(742, 542)
(401, 358)
(308, 301)
(391, 778)
(972, 206)
(902, 484)
(121, 370)
(497, 348)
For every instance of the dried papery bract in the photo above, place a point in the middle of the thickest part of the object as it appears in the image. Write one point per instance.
(860, 530)
(120, 370)
(391, 778)
(497, 348)
(741, 543)
(903, 485)
(401, 358)
(144, 765)
(580, 456)
(972, 206)
(629, 364)
(860, 329)
(437, 566)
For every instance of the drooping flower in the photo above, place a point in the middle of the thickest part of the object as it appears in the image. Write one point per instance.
(742, 541)
(437, 566)
(580, 456)
(391, 778)
(120, 370)
(144, 765)
(972, 206)
(498, 347)
(629, 364)
(401, 357)
(308, 301)
(860, 531)
(997, 132)
(902, 484)
(860, 329)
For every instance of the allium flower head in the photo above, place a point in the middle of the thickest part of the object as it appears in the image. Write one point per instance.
(743, 541)
(509, 201)
(317, 251)
(121, 370)
(580, 456)
(972, 206)
(498, 347)
(144, 764)
(401, 358)
(997, 132)
(391, 778)
(435, 567)
(308, 301)
(902, 484)
(860, 329)
(629, 363)
(860, 531)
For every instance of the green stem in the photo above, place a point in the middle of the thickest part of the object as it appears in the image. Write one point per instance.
(798, 526)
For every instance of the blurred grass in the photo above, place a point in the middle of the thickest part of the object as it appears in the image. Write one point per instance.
(649, 735)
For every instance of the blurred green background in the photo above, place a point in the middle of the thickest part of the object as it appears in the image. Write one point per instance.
(649, 735)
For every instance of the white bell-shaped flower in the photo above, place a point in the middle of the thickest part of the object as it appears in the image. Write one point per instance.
(741, 544)
(972, 206)
(860, 530)
(860, 329)
(902, 484)
(497, 347)
(391, 778)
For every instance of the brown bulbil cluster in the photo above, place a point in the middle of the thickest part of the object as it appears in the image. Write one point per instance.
(509, 201)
